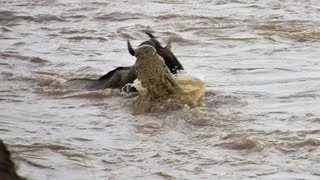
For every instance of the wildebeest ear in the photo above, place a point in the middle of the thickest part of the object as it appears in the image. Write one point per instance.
(168, 46)
(130, 48)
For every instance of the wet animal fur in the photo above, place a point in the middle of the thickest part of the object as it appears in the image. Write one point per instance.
(7, 167)
(119, 77)
(165, 52)
(114, 79)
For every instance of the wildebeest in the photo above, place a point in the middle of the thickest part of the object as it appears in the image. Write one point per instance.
(120, 76)
(7, 167)
(114, 79)
(165, 52)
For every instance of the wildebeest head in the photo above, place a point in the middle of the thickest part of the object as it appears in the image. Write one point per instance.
(165, 52)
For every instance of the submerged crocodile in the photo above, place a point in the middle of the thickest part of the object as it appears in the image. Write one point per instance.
(162, 91)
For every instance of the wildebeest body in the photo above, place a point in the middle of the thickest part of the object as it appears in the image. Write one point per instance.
(118, 77)
(115, 79)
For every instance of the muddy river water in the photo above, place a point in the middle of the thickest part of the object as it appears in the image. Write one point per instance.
(260, 117)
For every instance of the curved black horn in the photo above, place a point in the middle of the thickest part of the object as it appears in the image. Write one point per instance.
(130, 49)
(150, 35)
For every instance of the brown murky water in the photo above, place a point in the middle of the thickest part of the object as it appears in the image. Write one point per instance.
(259, 59)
